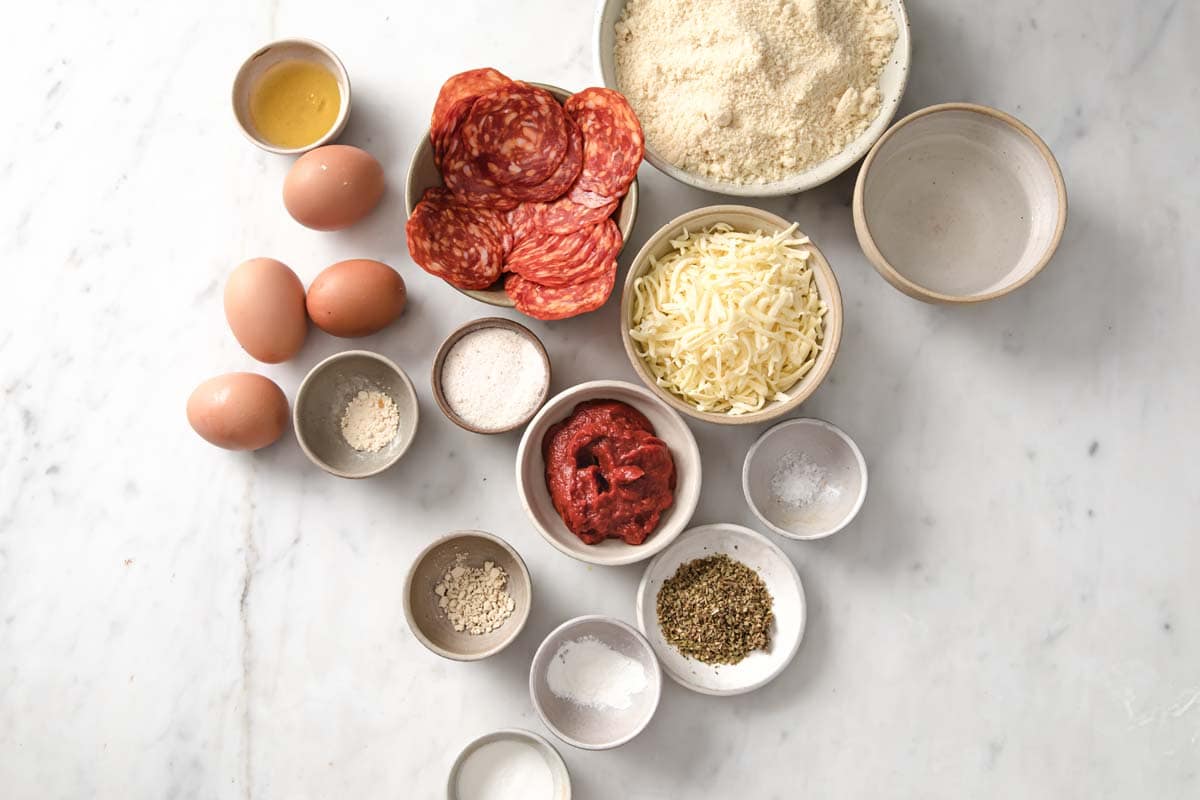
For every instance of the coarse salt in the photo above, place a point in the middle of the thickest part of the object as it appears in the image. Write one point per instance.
(798, 482)
(493, 378)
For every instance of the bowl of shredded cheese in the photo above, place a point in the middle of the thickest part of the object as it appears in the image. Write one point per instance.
(731, 315)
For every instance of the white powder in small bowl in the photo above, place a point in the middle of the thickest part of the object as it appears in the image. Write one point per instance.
(493, 379)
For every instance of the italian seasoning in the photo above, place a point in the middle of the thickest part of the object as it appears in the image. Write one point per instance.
(716, 610)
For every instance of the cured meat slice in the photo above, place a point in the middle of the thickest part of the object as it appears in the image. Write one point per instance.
(454, 100)
(520, 222)
(515, 134)
(462, 245)
(591, 199)
(564, 215)
(549, 303)
(563, 178)
(555, 260)
(613, 141)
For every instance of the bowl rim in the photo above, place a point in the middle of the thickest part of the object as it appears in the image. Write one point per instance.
(811, 380)
(340, 74)
(302, 391)
(410, 578)
(805, 422)
(498, 297)
(483, 323)
(749, 533)
(656, 681)
(632, 553)
(544, 745)
(800, 182)
(866, 240)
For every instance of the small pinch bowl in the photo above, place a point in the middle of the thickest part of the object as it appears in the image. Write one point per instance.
(783, 582)
(439, 362)
(668, 426)
(321, 401)
(427, 621)
(423, 174)
(892, 82)
(268, 56)
(595, 728)
(828, 447)
(746, 219)
(959, 203)
(558, 768)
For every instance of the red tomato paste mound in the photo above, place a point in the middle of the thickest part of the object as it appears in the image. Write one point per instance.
(609, 476)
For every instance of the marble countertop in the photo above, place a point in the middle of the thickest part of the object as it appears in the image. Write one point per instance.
(1014, 613)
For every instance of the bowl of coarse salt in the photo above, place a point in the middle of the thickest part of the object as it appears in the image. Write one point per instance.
(805, 479)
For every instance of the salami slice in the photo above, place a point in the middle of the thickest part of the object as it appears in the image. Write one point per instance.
(454, 101)
(564, 215)
(563, 178)
(515, 134)
(462, 245)
(555, 260)
(545, 302)
(613, 141)
(520, 222)
(591, 199)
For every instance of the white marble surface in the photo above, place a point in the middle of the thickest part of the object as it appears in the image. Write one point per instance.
(1014, 614)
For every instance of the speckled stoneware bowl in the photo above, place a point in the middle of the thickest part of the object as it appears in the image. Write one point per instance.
(892, 83)
(429, 623)
(322, 399)
(554, 761)
(583, 726)
(423, 174)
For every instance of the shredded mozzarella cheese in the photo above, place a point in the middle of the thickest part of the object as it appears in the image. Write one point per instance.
(729, 321)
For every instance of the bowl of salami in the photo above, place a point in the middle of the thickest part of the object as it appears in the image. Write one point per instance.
(523, 194)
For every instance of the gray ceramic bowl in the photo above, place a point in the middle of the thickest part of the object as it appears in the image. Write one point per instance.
(583, 726)
(321, 401)
(558, 769)
(427, 621)
(423, 174)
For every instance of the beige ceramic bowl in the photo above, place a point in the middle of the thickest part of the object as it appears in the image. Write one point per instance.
(558, 769)
(268, 56)
(429, 623)
(892, 83)
(748, 219)
(423, 174)
(535, 497)
(322, 399)
(959, 203)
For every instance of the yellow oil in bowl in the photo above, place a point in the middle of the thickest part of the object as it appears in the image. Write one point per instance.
(295, 103)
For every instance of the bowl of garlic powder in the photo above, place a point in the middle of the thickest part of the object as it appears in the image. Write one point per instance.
(756, 98)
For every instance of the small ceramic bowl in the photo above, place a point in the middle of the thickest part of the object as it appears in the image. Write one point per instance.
(814, 452)
(429, 623)
(668, 426)
(589, 727)
(777, 572)
(558, 769)
(439, 361)
(892, 83)
(268, 56)
(746, 219)
(423, 174)
(321, 401)
(959, 203)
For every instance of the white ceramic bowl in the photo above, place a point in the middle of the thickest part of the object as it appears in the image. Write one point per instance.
(892, 83)
(959, 203)
(668, 426)
(587, 727)
(558, 769)
(778, 573)
(833, 462)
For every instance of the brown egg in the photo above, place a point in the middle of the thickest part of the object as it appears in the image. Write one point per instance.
(264, 304)
(333, 187)
(356, 298)
(238, 411)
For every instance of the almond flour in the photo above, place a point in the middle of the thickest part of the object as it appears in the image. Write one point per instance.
(753, 91)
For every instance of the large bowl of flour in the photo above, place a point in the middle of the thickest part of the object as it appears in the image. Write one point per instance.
(756, 98)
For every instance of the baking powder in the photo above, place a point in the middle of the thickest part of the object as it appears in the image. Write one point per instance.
(493, 378)
(590, 673)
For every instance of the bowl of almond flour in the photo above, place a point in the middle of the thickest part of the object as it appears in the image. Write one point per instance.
(756, 98)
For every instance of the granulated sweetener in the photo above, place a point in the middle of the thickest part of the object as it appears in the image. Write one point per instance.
(493, 378)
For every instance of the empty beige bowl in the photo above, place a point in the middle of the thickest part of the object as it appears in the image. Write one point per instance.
(268, 56)
(805, 479)
(746, 219)
(959, 203)
(321, 402)
(429, 622)
(560, 778)
(423, 174)
(595, 727)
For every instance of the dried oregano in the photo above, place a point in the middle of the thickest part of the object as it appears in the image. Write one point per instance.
(716, 610)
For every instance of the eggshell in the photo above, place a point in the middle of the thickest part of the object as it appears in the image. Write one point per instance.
(356, 298)
(238, 411)
(333, 187)
(264, 305)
